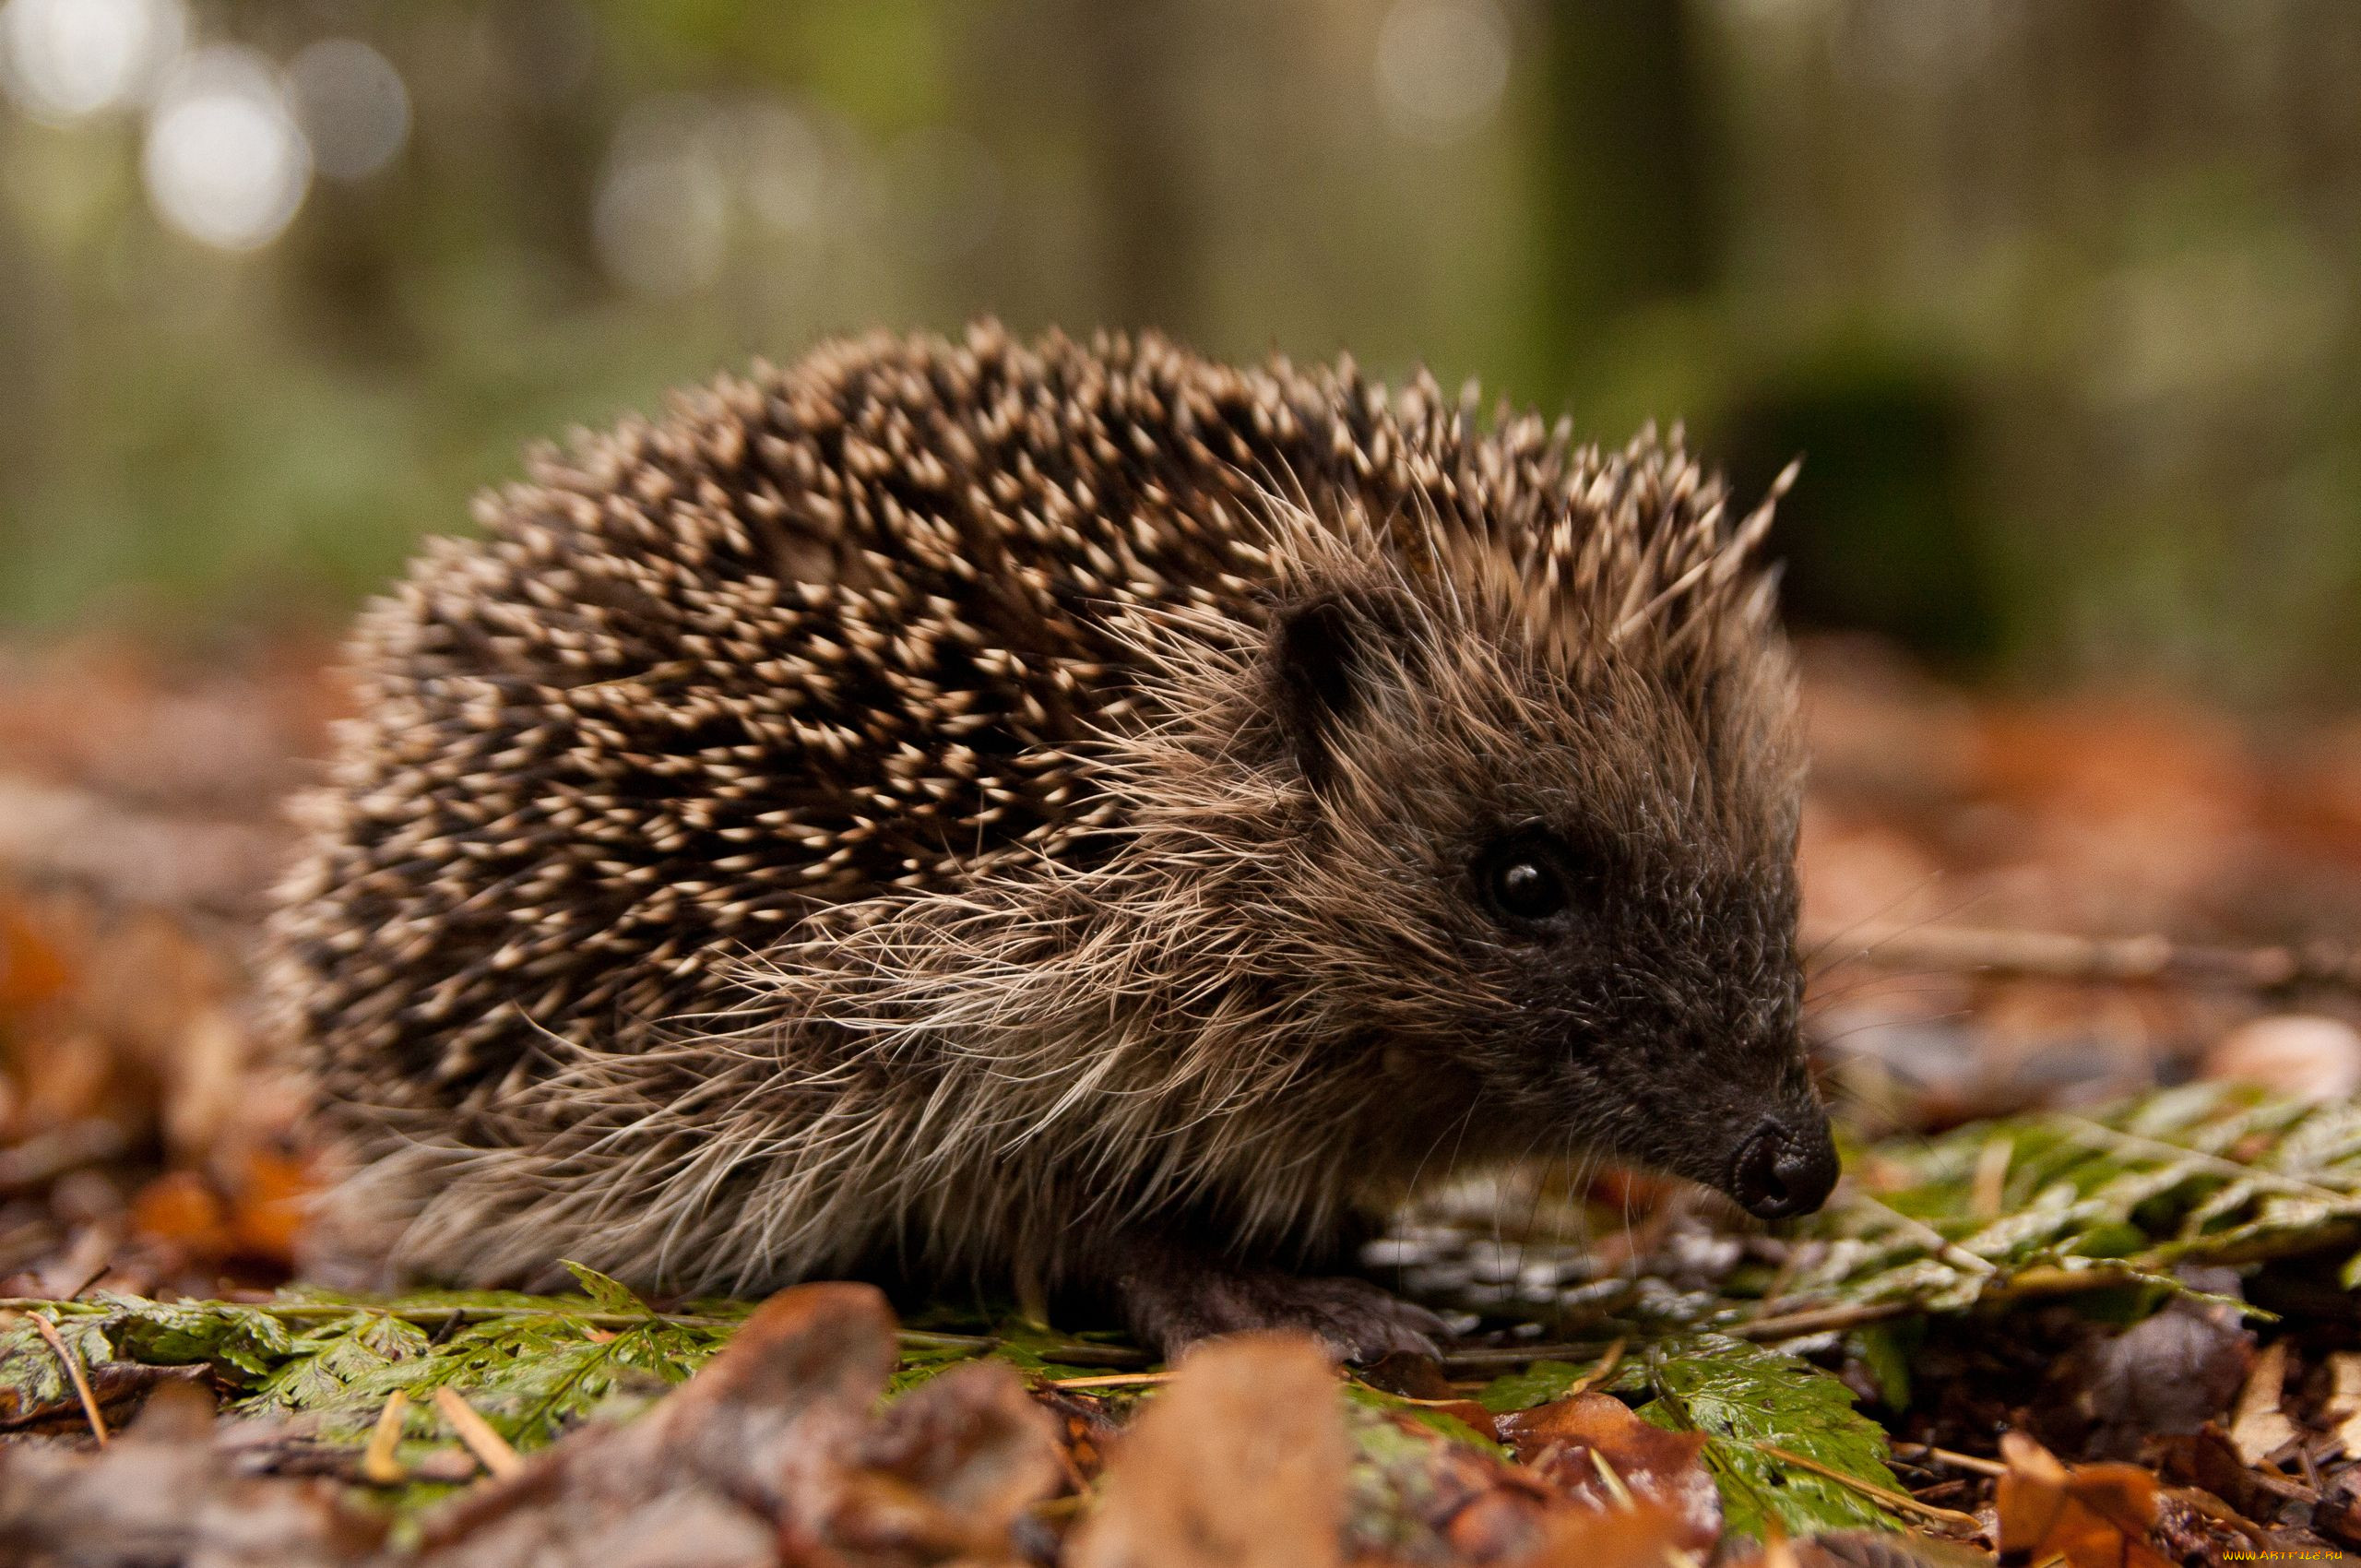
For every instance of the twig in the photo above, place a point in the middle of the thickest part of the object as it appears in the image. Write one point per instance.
(379, 1467)
(1955, 1460)
(1478, 1358)
(1821, 1320)
(2043, 955)
(1614, 1482)
(491, 1449)
(1990, 1184)
(1886, 1495)
(48, 1331)
(1942, 1246)
(1598, 1375)
(1113, 1380)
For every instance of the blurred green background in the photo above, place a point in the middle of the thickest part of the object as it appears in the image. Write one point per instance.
(2056, 296)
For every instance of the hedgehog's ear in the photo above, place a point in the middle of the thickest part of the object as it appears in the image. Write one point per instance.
(1321, 657)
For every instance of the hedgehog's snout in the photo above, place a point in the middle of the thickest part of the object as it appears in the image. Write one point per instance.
(1787, 1166)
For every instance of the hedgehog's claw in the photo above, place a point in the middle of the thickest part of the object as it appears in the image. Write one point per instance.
(1355, 1319)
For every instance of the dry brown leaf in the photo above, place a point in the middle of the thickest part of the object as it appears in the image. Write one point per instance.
(1886, 1549)
(2168, 1374)
(269, 1202)
(180, 1208)
(777, 1443)
(1642, 1535)
(168, 1492)
(2343, 1405)
(2091, 1515)
(1567, 1439)
(2298, 1054)
(34, 970)
(1239, 1463)
(2259, 1428)
(949, 1468)
(762, 1431)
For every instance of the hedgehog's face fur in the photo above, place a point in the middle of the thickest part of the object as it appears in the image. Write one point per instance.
(1542, 876)
(1593, 875)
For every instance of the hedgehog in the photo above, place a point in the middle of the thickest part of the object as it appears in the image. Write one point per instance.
(1070, 818)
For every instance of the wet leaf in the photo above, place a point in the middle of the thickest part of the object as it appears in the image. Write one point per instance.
(1743, 1396)
(1535, 1385)
(1592, 1448)
(608, 1295)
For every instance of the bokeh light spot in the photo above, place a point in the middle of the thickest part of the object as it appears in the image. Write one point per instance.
(353, 106)
(225, 163)
(63, 59)
(1442, 66)
(662, 216)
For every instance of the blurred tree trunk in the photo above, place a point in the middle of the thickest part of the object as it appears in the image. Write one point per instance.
(35, 349)
(1136, 59)
(1624, 212)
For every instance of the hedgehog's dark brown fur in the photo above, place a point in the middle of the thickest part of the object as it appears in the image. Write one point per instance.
(990, 807)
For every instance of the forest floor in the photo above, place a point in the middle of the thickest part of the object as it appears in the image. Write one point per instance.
(2084, 991)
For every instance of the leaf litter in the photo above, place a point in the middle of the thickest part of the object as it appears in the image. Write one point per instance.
(2058, 1310)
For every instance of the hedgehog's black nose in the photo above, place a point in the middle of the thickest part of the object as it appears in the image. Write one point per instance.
(1781, 1171)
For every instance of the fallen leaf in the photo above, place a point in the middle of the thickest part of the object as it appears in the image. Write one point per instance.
(269, 1202)
(2301, 1055)
(949, 1467)
(1598, 1453)
(778, 1439)
(182, 1208)
(2343, 1405)
(2093, 1515)
(168, 1490)
(1886, 1549)
(1240, 1461)
(1640, 1536)
(2167, 1375)
(2259, 1427)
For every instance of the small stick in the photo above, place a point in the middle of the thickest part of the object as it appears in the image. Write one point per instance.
(378, 1465)
(2045, 955)
(1957, 1461)
(1615, 1487)
(1599, 1373)
(1819, 1320)
(491, 1449)
(1476, 1358)
(1886, 1495)
(48, 1331)
(1113, 1380)
(1990, 1185)
(1942, 1246)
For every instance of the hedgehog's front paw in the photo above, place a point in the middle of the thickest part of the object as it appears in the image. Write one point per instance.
(1175, 1307)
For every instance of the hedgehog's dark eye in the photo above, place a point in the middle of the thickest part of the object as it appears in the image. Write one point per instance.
(1524, 878)
(1528, 890)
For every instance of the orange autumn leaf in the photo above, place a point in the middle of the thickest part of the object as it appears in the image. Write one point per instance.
(180, 1207)
(2091, 1515)
(1642, 1535)
(259, 1215)
(268, 1209)
(1241, 1462)
(32, 972)
(1593, 1449)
